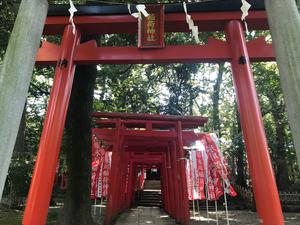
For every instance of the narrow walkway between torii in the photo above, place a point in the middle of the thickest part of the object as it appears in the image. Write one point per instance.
(156, 216)
(145, 215)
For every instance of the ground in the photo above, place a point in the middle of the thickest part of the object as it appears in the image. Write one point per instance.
(156, 216)
(14, 217)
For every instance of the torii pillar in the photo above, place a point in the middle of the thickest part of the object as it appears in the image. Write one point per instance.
(44, 172)
(261, 171)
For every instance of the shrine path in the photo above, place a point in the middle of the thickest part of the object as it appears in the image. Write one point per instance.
(156, 216)
(145, 215)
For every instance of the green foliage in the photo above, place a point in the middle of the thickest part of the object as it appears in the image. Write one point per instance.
(275, 120)
(14, 217)
(7, 17)
(19, 176)
(181, 89)
(125, 88)
(187, 89)
(37, 100)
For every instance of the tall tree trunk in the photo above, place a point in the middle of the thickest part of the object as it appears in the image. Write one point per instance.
(77, 205)
(191, 101)
(284, 20)
(240, 151)
(20, 141)
(16, 74)
(282, 174)
(216, 99)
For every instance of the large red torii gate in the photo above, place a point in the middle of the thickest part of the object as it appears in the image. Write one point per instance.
(236, 50)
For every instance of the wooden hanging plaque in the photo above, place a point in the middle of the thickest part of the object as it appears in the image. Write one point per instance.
(151, 28)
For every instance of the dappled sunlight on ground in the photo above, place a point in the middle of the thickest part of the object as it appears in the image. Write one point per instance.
(156, 216)
(145, 215)
(237, 217)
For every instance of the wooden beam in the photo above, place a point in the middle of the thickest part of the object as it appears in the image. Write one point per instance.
(174, 22)
(141, 116)
(214, 51)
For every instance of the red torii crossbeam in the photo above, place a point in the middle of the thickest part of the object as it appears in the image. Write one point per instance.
(213, 51)
(235, 49)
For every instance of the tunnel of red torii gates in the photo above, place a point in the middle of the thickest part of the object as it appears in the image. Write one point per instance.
(212, 16)
(147, 140)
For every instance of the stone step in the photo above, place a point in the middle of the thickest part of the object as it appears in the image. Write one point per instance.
(150, 204)
(149, 198)
(152, 184)
(150, 193)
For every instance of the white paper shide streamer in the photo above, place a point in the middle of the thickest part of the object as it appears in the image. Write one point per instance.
(192, 27)
(245, 10)
(141, 10)
(72, 10)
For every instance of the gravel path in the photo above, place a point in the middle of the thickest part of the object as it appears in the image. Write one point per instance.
(241, 217)
(156, 216)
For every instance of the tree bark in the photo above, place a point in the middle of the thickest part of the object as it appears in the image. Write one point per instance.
(298, 4)
(284, 20)
(216, 99)
(240, 151)
(281, 170)
(20, 141)
(16, 74)
(77, 204)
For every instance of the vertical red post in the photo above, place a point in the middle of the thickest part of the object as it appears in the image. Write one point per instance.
(164, 178)
(180, 212)
(164, 187)
(175, 182)
(44, 173)
(171, 185)
(123, 178)
(183, 179)
(163, 190)
(130, 186)
(264, 185)
(113, 204)
(134, 182)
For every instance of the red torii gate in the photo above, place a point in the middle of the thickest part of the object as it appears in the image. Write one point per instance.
(138, 139)
(236, 50)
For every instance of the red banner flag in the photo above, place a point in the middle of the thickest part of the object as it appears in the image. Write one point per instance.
(101, 165)
(207, 173)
